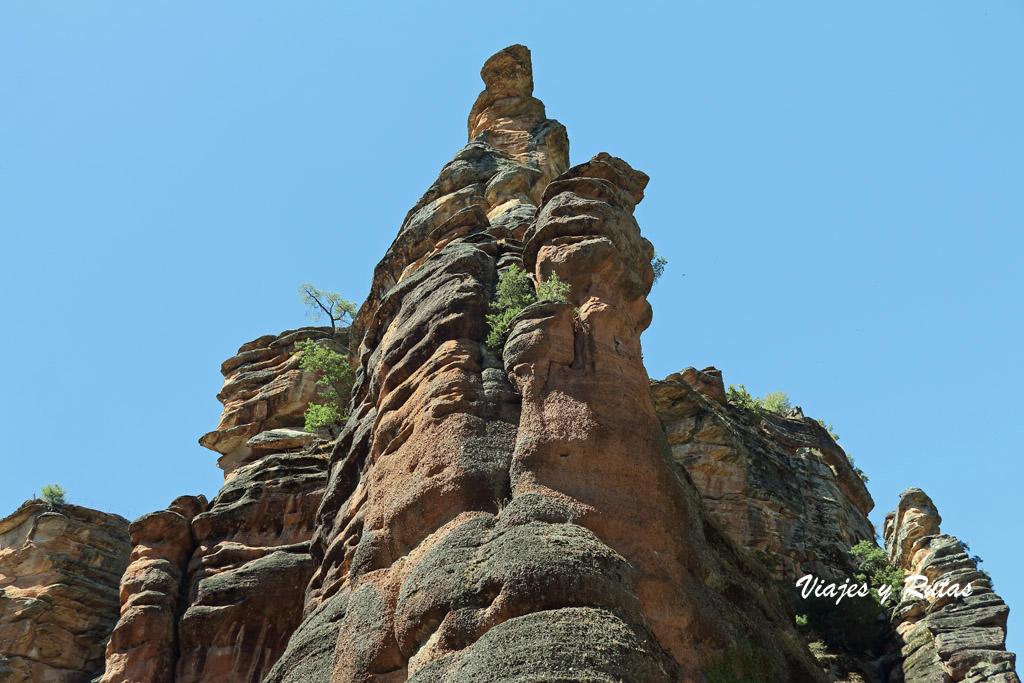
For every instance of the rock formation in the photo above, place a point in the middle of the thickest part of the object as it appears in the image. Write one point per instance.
(947, 638)
(477, 529)
(776, 484)
(215, 590)
(59, 570)
(539, 511)
(265, 395)
(144, 643)
(249, 569)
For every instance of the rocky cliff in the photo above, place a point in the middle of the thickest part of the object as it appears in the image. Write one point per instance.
(947, 638)
(265, 394)
(59, 571)
(215, 590)
(777, 484)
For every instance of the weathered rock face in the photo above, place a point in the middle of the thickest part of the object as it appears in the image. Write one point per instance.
(144, 644)
(265, 394)
(215, 590)
(589, 437)
(249, 569)
(463, 538)
(946, 638)
(541, 512)
(776, 484)
(59, 571)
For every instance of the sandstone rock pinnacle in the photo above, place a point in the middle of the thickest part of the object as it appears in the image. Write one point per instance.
(539, 511)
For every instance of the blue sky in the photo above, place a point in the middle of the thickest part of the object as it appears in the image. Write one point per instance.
(836, 187)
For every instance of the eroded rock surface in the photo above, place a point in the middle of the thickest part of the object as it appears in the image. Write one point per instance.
(59, 573)
(265, 393)
(948, 638)
(776, 484)
(144, 644)
(473, 530)
(541, 512)
(215, 590)
(249, 570)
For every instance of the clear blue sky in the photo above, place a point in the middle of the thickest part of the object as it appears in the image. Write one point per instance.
(837, 187)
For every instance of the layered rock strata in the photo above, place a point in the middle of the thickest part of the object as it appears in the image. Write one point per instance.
(265, 395)
(947, 638)
(59, 572)
(776, 484)
(215, 590)
(477, 529)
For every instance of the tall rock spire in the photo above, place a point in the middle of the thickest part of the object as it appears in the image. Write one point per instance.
(945, 637)
(480, 529)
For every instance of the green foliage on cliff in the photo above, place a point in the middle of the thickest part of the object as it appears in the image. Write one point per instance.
(830, 429)
(977, 563)
(873, 567)
(515, 292)
(772, 402)
(335, 384)
(54, 494)
(658, 263)
(778, 402)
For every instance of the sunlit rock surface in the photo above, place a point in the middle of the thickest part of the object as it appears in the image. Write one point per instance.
(480, 529)
(59, 572)
(776, 484)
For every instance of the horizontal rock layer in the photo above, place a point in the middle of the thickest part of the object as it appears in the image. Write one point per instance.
(950, 638)
(265, 395)
(776, 484)
(59, 572)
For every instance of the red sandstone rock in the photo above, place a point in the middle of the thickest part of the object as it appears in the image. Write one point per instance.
(485, 519)
(461, 541)
(214, 591)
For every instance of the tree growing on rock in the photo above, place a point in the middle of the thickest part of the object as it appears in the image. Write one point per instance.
(658, 263)
(320, 303)
(54, 494)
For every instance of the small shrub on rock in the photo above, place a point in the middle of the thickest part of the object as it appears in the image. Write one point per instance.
(335, 384)
(515, 292)
(54, 494)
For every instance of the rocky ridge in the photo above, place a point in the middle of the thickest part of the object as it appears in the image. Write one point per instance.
(59, 571)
